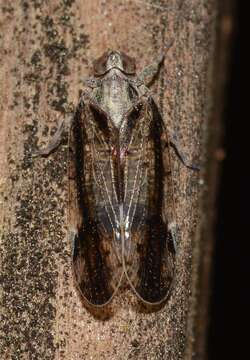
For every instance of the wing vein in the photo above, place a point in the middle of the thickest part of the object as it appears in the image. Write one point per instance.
(99, 181)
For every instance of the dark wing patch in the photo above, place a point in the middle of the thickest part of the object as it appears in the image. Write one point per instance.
(148, 244)
(93, 207)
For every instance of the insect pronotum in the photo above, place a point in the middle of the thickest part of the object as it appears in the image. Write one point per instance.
(121, 196)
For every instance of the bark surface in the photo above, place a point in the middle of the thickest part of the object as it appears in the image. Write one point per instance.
(47, 48)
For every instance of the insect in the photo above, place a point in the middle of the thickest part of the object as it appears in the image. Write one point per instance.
(120, 182)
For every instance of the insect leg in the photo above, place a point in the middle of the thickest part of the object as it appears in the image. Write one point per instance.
(147, 75)
(174, 144)
(54, 142)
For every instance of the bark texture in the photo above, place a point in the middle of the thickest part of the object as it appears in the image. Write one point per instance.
(46, 51)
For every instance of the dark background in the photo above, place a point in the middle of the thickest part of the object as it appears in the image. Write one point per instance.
(229, 333)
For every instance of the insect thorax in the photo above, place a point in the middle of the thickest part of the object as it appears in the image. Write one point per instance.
(117, 95)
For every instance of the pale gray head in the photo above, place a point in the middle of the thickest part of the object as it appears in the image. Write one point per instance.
(114, 60)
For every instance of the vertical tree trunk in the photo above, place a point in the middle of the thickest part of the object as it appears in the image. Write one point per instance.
(46, 49)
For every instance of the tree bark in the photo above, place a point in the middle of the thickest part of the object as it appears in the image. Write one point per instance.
(46, 51)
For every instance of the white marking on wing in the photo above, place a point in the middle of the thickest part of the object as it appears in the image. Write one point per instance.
(138, 170)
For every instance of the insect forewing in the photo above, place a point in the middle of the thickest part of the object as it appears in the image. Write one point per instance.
(148, 243)
(94, 209)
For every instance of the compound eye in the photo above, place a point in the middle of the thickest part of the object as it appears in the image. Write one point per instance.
(128, 63)
(100, 64)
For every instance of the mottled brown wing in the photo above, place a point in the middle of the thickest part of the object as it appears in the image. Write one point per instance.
(93, 206)
(149, 252)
